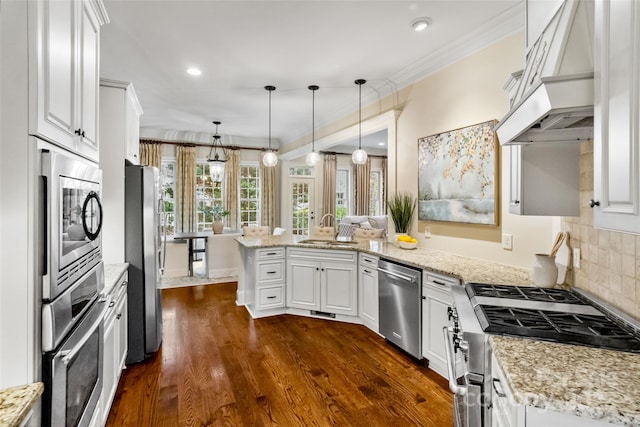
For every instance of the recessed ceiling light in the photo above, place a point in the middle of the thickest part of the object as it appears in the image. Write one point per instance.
(380, 143)
(193, 71)
(420, 24)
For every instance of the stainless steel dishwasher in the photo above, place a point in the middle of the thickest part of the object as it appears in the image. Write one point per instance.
(400, 291)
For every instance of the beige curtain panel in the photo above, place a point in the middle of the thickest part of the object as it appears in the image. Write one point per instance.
(385, 165)
(329, 188)
(362, 184)
(268, 196)
(231, 174)
(185, 189)
(151, 154)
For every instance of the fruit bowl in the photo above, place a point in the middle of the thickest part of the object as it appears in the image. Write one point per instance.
(408, 245)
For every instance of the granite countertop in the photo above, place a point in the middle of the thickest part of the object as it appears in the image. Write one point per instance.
(466, 269)
(112, 273)
(16, 402)
(584, 381)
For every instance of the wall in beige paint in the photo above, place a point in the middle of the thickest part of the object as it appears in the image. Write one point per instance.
(610, 261)
(463, 94)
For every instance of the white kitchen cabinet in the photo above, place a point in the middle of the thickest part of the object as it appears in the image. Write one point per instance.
(505, 412)
(119, 132)
(368, 291)
(436, 300)
(545, 179)
(263, 280)
(322, 280)
(115, 345)
(64, 86)
(616, 145)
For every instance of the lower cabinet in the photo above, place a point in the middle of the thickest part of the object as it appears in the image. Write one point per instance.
(368, 291)
(436, 299)
(115, 346)
(322, 280)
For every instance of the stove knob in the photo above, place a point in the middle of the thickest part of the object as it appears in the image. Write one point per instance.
(456, 344)
(450, 312)
(464, 347)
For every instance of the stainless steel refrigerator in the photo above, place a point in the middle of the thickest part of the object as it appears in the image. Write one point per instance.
(142, 252)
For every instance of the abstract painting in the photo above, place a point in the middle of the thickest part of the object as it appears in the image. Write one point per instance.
(457, 177)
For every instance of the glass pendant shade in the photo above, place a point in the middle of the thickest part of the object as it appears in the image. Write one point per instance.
(216, 164)
(216, 169)
(313, 158)
(270, 159)
(359, 157)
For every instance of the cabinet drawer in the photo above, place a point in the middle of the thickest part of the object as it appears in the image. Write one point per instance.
(268, 253)
(270, 297)
(269, 271)
(439, 279)
(367, 260)
(323, 255)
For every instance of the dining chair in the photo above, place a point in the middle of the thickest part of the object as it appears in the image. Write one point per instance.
(279, 231)
(255, 231)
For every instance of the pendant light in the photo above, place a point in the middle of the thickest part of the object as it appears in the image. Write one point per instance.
(359, 157)
(270, 159)
(216, 164)
(313, 158)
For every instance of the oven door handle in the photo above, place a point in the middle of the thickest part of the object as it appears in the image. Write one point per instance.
(68, 355)
(451, 365)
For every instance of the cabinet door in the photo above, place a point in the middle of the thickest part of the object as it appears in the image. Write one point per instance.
(616, 116)
(54, 117)
(514, 174)
(436, 299)
(368, 297)
(88, 81)
(132, 133)
(121, 317)
(339, 288)
(109, 374)
(303, 284)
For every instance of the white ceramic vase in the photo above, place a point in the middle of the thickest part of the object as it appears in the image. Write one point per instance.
(544, 272)
(217, 227)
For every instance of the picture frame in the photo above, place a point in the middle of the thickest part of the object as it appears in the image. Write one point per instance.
(457, 180)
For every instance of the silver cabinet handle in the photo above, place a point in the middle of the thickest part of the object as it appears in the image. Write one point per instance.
(451, 365)
(497, 384)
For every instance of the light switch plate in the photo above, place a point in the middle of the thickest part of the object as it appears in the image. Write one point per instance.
(507, 242)
(576, 257)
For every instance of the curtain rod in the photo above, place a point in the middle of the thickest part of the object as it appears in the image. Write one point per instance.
(202, 144)
(348, 154)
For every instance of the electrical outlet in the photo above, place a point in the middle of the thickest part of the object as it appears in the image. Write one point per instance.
(507, 242)
(427, 232)
(576, 257)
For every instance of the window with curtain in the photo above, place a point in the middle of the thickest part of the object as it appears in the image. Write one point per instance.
(249, 195)
(375, 193)
(168, 185)
(208, 194)
(343, 194)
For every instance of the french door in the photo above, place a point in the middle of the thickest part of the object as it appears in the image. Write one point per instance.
(302, 205)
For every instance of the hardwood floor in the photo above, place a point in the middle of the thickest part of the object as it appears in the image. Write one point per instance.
(218, 366)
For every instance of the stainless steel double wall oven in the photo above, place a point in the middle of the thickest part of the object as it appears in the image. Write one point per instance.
(73, 308)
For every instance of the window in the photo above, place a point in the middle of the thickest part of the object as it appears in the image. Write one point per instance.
(375, 193)
(249, 196)
(301, 171)
(168, 188)
(208, 194)
(342, 194)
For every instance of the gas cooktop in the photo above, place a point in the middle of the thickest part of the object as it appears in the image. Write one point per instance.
(549, 314)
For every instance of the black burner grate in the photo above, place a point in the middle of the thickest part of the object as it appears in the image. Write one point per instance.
(572, 328)
(523, 293)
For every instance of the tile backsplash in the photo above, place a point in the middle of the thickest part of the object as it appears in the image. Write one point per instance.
(610, 261)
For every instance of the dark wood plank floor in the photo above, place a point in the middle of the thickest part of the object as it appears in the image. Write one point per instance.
(218, 366)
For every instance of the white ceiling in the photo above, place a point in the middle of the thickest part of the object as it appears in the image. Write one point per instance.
(241, 46)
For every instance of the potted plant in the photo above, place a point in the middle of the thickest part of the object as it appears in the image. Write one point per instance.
(218, 213)
(401, 207)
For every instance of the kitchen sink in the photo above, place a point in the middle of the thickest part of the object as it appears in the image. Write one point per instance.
(322, 242)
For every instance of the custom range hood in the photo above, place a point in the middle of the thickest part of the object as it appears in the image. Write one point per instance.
(552, 98)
